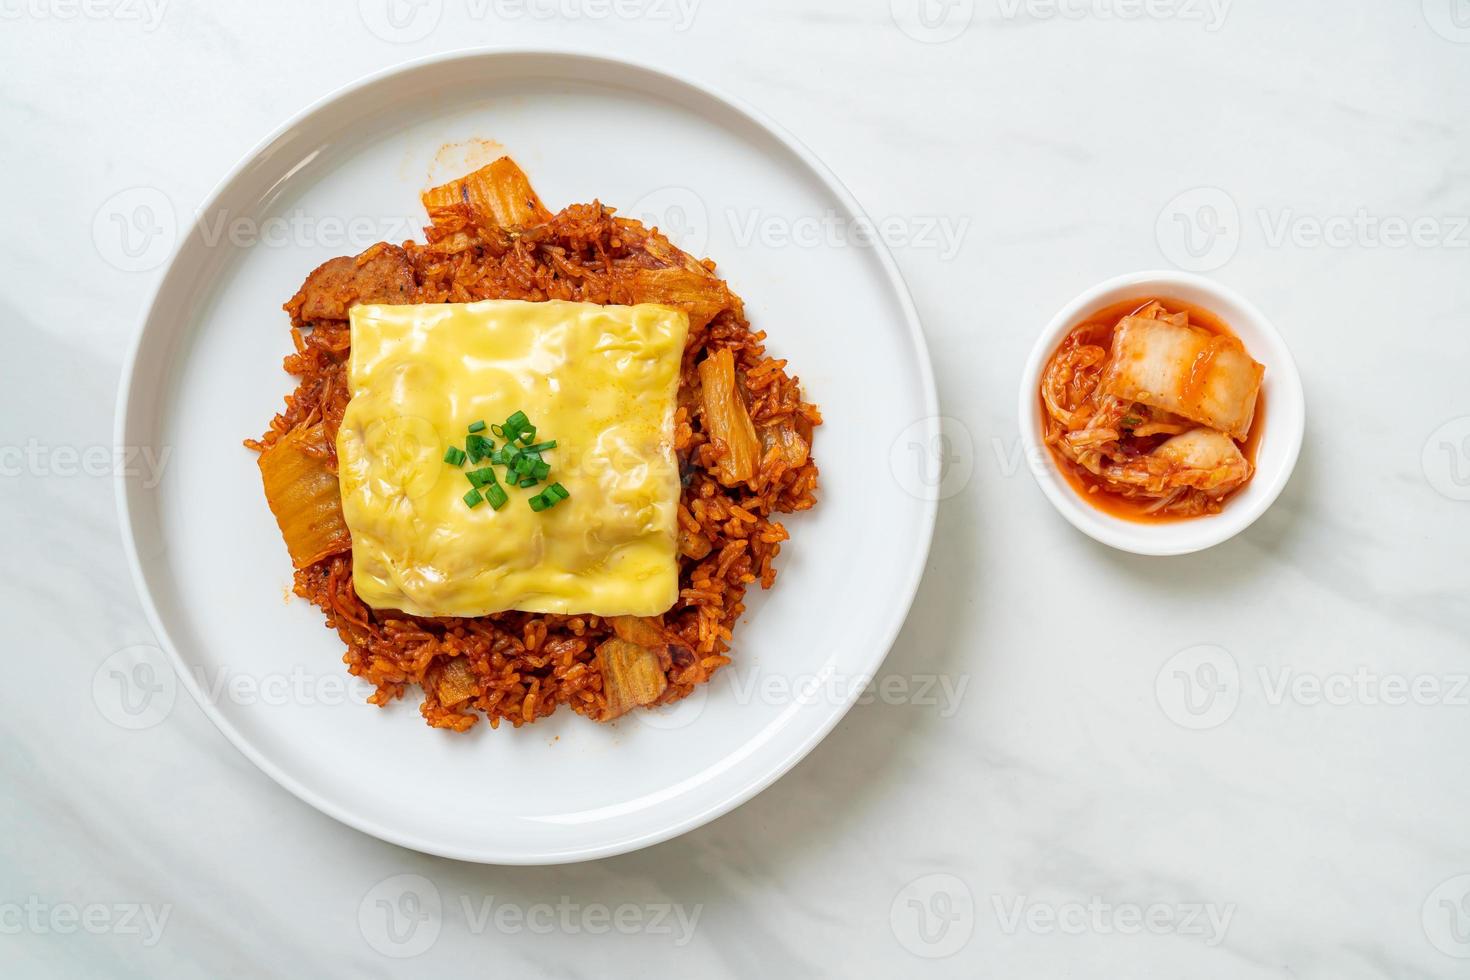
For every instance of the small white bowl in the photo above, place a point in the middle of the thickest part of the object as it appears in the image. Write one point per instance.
(1280, 442)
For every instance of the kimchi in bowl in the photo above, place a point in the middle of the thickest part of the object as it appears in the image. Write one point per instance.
(1272, 445)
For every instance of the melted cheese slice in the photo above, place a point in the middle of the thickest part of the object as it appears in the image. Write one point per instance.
(600, 380)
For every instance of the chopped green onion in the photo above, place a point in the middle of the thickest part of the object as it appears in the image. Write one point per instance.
(520, 455)
(481, 477)
(549, 497)
(1132, 420)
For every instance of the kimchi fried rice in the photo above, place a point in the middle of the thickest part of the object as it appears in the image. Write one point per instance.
(490, 237)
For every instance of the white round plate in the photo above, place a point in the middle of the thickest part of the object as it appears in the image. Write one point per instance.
(205, 373)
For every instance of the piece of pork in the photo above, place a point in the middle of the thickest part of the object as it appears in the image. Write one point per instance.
(382, 274)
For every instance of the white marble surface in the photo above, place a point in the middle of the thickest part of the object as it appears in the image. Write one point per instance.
(1311, 823)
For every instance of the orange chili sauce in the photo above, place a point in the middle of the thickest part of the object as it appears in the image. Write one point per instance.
(1099, 327)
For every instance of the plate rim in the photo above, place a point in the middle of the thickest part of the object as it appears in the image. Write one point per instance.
(743, 792)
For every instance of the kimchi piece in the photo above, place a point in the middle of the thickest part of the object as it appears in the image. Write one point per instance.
(301, 489)
(732, 436)
(1150, 409)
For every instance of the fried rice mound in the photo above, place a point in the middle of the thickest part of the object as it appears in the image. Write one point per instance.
(490, 237)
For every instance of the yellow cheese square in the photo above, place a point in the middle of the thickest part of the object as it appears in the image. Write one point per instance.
(600, 380)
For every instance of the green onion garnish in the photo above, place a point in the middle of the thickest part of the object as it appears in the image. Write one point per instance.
(520, 455)
(477, 446)
(549, 497)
